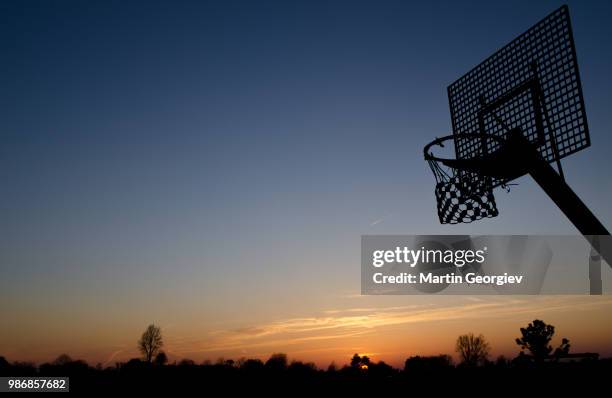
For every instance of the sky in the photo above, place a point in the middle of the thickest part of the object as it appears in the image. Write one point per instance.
(211, 166)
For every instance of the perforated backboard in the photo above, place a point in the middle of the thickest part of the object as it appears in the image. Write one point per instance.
(550, 46)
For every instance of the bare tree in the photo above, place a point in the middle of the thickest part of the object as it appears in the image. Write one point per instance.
(150, 342)
(473, 350)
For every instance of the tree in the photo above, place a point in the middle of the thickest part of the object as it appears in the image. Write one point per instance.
(277, 362)
(380, 369)
(63, 359)
(418, 364)
(536, 339)
(161, 358)
(150, 342)
(4, 364)
(252, 366)
(360, 362)
(502, 362)
(332, 368)
(563, 349)
(473, 350)
(303, 369)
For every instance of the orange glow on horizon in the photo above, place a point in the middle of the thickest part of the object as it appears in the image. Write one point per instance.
(382, 332)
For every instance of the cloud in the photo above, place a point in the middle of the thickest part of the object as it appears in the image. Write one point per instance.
(344, 324)
(373, 223)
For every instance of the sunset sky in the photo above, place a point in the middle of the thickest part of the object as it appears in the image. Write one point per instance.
(211, 166)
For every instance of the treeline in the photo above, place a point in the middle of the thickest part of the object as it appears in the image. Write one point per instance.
(137, 375)
(278, 364)
(537, 361)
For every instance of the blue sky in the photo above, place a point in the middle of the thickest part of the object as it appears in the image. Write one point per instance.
(212, 151)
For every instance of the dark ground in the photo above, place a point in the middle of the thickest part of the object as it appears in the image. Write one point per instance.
(430, 376)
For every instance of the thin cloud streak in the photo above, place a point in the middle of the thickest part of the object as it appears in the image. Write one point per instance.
(356, 322)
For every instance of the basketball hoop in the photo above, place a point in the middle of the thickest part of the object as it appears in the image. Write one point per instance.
(464, 191)
(526, 104)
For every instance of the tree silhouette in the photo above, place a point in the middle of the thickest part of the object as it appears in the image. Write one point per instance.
(161, 358)
(332, 368)
(252, 366)
(362, 362)
(563, 349)
(536, 338)
(473, 350)
(150, 342)
(62, 360)
(419, 364)
(277, 362)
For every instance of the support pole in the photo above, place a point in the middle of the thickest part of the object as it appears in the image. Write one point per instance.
(569, 203)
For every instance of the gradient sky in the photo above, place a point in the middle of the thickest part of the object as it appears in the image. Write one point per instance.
(211, 166)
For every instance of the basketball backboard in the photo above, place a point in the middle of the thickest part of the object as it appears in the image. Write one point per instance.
(532, 83)
(513, 114)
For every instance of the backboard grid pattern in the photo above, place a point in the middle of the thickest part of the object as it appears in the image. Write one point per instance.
(550, 45)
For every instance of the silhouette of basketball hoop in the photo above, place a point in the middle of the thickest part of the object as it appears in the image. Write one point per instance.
(514, 114)
(462, 198)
